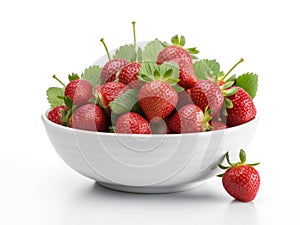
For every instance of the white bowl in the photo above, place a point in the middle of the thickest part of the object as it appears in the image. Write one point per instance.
(147, 163)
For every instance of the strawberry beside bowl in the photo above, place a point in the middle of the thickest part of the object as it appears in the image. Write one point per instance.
(157, 163)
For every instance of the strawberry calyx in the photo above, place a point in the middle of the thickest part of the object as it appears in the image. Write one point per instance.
(180, 42)
(207, 119)
(112, 129)
(66, 113)
(67, 101)
(226, 85)
(167, 72)
(73, 76)
(242, 156)
(227, 91)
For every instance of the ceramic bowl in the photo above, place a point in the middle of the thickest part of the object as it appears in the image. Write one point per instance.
(147, 163)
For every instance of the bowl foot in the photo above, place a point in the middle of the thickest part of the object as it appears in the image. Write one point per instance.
(150, 189)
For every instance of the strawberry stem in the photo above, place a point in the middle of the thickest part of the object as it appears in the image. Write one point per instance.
(134, 43)
(106, 49)
(56, 78)
(232, 68)
(134, 35)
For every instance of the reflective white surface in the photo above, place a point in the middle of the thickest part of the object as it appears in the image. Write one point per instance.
(147, 163)
(39, 38)
(52, 193)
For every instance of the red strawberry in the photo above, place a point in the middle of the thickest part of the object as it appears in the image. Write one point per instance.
(108, 73)
(132, 123)
(207, 93)
(110, 69)
(186, 75)
(79, 90)
(240, 180)
(176, 53)
(88, 117)
(157, 99)
(217, 125)
(128, 75)
(160, 127)
(184, 98)
(109, 92)
(173, 52)
(190, 118)
(55, 114)
(243, 109)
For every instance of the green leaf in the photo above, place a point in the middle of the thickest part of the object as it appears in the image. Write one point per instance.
(228, 103)
(192, 50)
(147, 70)
(125, 52)
(220, 75)
(172, 80)
(66, 115)
(156, 75)
(177, 88)
(145, 78)
(117, 76)
(249, 82)
(68, 102)
(227, 159)
(230, 92)
(205, 67)
(242, 156)
(150, 71)
(253, 164)
(223, 167)
(228, 84)
(175, 40)
(182, 41)
(92, 74)
(139, 54)
(112, 129)
(53, 94)
(63, 112)
(168, 73)
(126, 102)
(151, 50)
(167, 66)
(224, 110)
(231, 78)
(73, 76)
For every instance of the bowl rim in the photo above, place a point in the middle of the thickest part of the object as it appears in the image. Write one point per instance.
(69, 129)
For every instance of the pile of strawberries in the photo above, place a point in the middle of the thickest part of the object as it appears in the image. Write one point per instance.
(171, 92)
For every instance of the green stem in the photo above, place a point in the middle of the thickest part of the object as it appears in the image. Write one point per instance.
(232, 68)
(134, 40)
(106, 49)
(134, 35)
(227, 159)
(56, 78)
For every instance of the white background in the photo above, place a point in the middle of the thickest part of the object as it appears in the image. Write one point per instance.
(40, 38)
